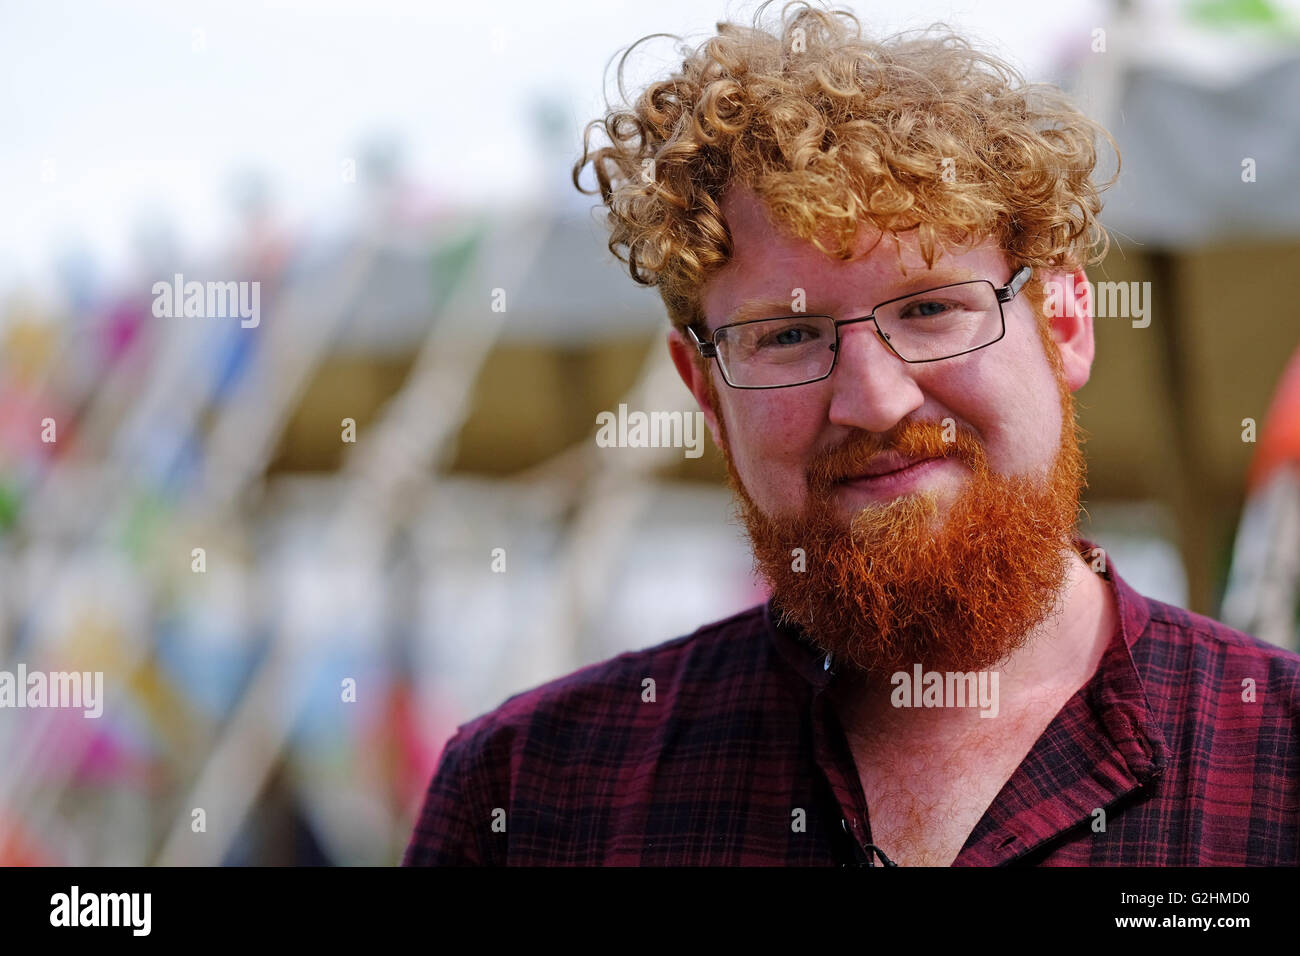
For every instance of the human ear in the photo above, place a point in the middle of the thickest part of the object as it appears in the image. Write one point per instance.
(1068, 307)
(695, 374)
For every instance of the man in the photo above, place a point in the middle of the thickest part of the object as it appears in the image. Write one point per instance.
(866, 251)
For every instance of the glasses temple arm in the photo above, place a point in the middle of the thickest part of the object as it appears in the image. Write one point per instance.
(1012, 288)
(707, 349)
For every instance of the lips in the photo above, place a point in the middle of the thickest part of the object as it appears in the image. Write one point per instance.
(887, 464)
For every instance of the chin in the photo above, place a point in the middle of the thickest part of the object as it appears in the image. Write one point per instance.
(934, 502)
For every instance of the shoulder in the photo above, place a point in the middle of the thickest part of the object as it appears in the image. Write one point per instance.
(615, 689)
(606, 709)
(1197, 630)
(1200, 651)
(545, 751)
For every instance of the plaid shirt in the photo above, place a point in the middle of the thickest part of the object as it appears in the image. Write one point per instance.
(1190, 766)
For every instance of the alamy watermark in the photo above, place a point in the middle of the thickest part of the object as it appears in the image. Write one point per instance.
(638, 429)
(37, 689)
(1115, 300)
(75, 908)
(208, 300)
(946, 689)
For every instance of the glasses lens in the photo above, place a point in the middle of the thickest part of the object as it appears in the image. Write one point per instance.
(942, 322)
(774, 352)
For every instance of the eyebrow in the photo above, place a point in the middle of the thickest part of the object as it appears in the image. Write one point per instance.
(774, 308)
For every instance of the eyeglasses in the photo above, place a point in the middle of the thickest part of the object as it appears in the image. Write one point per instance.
(929, 326)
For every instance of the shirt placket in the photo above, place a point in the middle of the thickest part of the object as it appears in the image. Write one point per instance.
(831, 753)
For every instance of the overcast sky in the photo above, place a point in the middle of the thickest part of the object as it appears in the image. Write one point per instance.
(112, 112)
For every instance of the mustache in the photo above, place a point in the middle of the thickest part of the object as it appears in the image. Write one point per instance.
(913, 440)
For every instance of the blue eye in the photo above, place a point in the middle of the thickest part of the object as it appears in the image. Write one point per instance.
(927, 309)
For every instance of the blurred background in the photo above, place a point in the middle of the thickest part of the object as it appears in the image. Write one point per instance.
(302, 551)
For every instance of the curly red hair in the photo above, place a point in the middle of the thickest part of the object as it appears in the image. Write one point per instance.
(832, 131)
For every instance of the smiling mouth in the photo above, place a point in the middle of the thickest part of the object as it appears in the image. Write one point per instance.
(885, 474)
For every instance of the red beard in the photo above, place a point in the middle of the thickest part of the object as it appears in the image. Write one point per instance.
(906, 582)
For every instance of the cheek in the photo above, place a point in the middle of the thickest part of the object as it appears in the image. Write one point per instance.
(1013, 406)
(773, 437)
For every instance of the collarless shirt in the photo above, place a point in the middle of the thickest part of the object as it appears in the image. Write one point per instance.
(722, 749)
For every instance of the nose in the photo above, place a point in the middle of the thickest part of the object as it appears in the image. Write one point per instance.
(872, 388)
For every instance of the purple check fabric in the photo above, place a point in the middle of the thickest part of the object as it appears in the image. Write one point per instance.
(1187, 736)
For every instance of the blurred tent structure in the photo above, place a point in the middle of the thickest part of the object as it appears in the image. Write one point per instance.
(207, 532)
(1263, 593)
(1207, 210)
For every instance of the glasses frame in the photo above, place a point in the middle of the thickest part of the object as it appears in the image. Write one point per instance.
(709, 349)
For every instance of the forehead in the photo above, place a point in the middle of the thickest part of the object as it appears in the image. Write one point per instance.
(768, 264)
